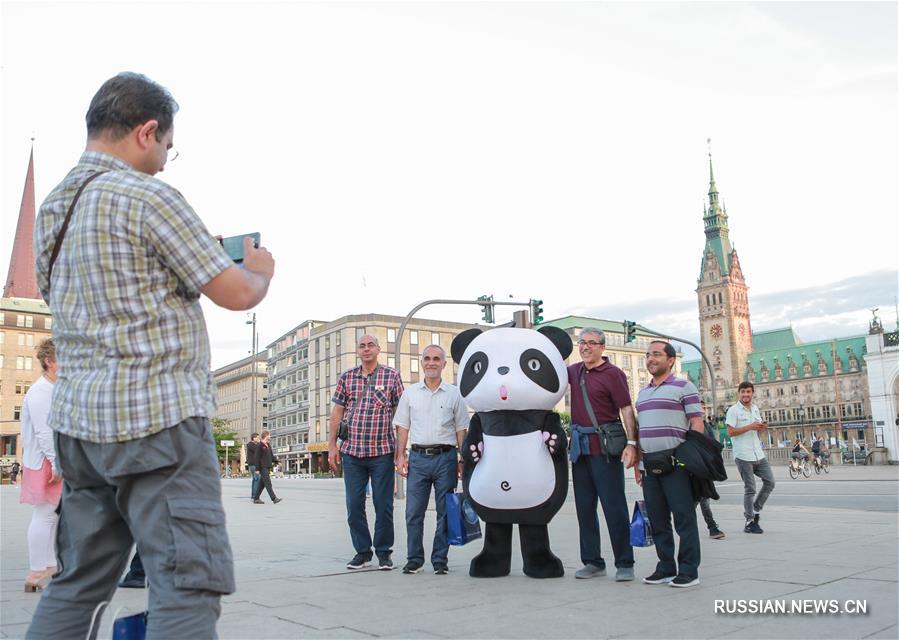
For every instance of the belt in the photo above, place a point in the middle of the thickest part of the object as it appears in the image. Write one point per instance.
(432, 449)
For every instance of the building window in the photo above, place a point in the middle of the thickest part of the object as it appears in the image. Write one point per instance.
(435, 338)
(23, 363)
(20, 320)
(413, 337)
(360, 331)
(391, 362)
(22, 387)
(413, 365)
(391, 335)
(48, 323)
(16, 413)
(337, 338)
(327, 342)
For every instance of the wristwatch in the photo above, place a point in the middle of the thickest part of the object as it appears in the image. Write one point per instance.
(632, 442)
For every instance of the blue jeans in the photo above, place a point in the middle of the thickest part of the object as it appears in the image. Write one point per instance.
(254, 480)
(356, 474)
(598, 478)
(667, 496)
(426, 471)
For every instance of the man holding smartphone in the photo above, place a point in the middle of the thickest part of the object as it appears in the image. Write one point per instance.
(744, 421)
(131, 406)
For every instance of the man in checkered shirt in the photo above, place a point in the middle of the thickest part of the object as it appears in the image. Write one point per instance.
(132, 403)
(367, 397)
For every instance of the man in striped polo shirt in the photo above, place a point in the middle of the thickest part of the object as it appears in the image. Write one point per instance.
(667, 409)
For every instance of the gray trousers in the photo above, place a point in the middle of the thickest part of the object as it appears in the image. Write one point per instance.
(162, 492)
(752, 502)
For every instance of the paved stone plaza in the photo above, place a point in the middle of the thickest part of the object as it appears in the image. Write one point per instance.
(826, 537)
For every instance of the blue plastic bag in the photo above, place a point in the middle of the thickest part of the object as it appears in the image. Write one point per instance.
(130, 627)
(641, 529)
(462, 523)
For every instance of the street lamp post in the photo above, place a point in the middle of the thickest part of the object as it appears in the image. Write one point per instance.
(252, 321)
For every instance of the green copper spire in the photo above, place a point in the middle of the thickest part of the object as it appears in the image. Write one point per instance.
(715, 222)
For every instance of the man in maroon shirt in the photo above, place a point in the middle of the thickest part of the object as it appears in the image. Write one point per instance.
(596, 475)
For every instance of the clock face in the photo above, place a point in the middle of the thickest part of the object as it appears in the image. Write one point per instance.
(716, 331)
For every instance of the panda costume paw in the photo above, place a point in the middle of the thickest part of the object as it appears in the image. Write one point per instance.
(515, 454)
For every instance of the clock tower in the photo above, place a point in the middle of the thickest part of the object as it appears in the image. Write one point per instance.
(726, 334)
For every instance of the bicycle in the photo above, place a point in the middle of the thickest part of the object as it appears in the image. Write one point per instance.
(802, 467)
(821, 463)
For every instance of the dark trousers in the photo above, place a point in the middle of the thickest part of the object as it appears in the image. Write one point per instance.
(670, 496)
(356, 474)
(254, 480)
(137, 567)
(437, 471)
(600, 478)
(707, 514)
(265, 480)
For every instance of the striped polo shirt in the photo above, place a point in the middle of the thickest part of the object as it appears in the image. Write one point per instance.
(664, 413)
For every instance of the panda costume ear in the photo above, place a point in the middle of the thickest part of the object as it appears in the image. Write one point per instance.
(461, 342)
(559, 338)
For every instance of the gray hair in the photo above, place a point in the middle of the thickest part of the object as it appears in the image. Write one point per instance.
(597, 332)
(433, 346)
(368, 335)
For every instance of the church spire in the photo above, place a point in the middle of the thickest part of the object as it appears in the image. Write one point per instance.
(20, 280)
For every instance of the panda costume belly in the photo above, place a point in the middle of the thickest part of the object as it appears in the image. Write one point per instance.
(515, 472)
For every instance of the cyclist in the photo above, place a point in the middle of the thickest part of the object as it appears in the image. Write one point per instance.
(799, 453)
(819, 449)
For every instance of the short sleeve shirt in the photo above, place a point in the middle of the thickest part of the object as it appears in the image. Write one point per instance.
(432, 417)
(130, 335)
(369, 403)
(664, 412)
(747, 446)
(606, 388)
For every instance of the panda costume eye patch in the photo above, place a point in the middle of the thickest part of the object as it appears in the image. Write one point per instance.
(539, 369)
(475, 369)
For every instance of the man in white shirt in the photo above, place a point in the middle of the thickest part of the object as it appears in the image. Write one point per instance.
(432, 417)
(744, 421)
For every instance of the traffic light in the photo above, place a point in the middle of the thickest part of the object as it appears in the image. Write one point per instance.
(536, 312)
(487, 308)
(630, 331)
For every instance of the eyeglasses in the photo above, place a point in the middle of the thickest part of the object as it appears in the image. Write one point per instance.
(592, 343)
(172, 155)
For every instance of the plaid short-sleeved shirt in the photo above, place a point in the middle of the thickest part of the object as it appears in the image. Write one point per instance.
(369, 402)
(130, 336)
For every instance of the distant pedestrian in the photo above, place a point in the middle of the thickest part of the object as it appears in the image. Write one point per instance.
(41, 477)
(667, 409)
(14, 472)
(252, 462)
(704, 506)
(264, 461)
(744, 422)
(132, 403)
(366, 397)
(598, 477)
(433, 419)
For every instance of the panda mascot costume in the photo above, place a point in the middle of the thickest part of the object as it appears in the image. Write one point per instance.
(515, 461)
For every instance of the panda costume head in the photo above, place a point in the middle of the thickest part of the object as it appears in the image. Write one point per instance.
(511, 369)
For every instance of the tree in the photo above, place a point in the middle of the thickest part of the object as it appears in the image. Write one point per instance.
(222, 431)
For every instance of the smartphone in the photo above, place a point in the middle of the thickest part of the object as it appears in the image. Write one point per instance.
(234, 245)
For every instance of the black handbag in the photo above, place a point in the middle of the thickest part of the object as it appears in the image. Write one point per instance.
(343, 430)
(659, 463)
(612, 436)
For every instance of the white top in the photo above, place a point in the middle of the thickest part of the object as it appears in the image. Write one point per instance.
(37, 436)
(747, 446)
(432, 417)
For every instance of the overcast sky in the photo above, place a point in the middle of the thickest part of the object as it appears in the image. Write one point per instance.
(390, 153)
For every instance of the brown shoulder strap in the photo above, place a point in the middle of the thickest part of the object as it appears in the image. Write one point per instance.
(65, 224)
